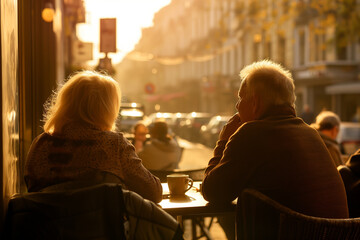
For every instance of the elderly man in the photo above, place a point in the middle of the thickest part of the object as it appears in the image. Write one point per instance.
(328, 125)
(266, 147)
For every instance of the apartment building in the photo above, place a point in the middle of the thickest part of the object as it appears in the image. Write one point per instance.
(198, 47)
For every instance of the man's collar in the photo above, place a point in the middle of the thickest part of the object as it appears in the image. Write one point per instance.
(278, 110)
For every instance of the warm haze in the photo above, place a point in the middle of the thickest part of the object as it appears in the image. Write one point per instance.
(131, 16)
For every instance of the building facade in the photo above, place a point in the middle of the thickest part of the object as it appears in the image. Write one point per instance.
(198, 47)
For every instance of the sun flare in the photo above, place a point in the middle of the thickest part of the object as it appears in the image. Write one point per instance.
(131, 17)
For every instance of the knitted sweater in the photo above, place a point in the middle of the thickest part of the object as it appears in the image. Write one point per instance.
(79, 151)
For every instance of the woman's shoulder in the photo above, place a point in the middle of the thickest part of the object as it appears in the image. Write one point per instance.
(114, 137)
(43, 137)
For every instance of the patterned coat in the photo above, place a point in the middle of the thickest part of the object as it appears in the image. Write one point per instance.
(79, 151)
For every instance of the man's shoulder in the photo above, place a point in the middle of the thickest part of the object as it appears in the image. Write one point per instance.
(264, 125)
(256, 125)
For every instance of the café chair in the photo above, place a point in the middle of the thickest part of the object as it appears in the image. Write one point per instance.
(81, 210)
(260, 217)
(91, 212)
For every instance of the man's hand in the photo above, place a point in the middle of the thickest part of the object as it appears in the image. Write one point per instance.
(230, 128)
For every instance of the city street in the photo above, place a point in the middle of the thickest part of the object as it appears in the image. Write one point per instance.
(195, 155)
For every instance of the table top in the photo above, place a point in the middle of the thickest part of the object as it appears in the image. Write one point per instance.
(192, 203)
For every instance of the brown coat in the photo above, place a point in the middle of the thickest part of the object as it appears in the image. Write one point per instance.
(282, 157)
(79, 152)
(333, 148)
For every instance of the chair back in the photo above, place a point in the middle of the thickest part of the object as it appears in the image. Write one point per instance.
(195, 174)
(260, 217)
(93, 212)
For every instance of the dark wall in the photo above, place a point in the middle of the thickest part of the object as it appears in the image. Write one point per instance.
(37, 77)
(1, 142)
(28, 66)
(9, 104)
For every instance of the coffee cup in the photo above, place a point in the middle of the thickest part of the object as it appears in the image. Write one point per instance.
(179, 184)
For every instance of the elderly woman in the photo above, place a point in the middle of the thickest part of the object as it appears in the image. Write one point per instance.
(79, 141)
(328, 123)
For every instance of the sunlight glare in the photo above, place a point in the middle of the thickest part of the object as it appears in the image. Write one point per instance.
(131, 16)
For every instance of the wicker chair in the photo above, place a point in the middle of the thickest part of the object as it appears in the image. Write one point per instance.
(260, 217)
(91, 212)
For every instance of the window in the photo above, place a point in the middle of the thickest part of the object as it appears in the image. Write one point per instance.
(281, 49)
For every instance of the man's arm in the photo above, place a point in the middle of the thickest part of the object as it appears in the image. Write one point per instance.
(229, 129)
(222, 167)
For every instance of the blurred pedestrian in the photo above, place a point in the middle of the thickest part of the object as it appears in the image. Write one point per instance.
(351, 177)
(328, 125)
(356, 116)
(140, 132)
(80, 143)
(162, 152)
(307, 115)
(266, 147)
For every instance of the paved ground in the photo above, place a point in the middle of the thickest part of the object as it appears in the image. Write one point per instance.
(196, 155)
(216, 231)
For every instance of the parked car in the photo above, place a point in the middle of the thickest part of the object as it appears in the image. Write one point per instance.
(191, 125)
(162, 116)
(210, 132)
(349, 137)
(178, 118)
(129, 115)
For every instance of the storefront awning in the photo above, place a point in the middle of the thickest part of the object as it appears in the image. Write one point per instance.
(349, 88)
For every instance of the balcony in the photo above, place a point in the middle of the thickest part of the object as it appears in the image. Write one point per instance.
(326, 73)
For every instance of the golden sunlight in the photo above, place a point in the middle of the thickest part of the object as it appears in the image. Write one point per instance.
(131, 17)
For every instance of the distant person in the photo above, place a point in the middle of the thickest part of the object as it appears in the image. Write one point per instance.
(162, 152)
(79, 141)
(356, 116)
(351, 177)
(266, 147)
(307, 115)
(328, 125)
(140, 132)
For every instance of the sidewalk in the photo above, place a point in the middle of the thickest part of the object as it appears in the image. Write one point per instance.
(216, 230)
(195, 155)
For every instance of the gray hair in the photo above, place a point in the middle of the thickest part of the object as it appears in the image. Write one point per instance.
(326, 120)
(269, 80)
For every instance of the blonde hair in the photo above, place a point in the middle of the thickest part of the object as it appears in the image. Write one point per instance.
(87, 97)
(269, 80)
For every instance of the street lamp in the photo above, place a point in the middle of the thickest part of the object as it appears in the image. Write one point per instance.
(48, 12)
